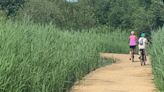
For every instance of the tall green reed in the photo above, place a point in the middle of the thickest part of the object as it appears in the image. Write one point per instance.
(37, 58)
(157, 52)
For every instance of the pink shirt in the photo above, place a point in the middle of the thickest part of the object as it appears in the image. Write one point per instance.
(132, 40)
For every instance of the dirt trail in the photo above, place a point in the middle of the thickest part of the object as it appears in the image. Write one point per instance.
(122, 76)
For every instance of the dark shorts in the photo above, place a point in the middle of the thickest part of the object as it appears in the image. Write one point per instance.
(132, 47)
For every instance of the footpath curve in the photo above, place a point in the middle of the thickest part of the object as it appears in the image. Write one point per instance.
(122, 76)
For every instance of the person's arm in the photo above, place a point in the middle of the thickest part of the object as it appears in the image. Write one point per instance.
(139, 40)
(136, 40)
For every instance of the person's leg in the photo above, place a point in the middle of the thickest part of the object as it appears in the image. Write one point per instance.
(134, 49)
(144, 56)
(139, 53)
(132, 54)
(140, 56)
(130, 51)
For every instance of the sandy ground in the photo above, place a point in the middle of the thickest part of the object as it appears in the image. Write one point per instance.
(122, 76)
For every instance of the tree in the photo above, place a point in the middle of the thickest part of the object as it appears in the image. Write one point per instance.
(80, 14)
(158, 12)
(11, 6)
(64, 14)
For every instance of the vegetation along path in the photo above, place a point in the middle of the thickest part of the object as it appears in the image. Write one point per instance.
(122, 76)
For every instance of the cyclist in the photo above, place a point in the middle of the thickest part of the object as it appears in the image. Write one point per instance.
(142, 45)
(132, 44)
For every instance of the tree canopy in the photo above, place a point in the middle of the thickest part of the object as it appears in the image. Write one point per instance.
(124, 14)
(11, 6)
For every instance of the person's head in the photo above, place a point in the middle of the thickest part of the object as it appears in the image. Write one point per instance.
(132, 32)
(142, 34)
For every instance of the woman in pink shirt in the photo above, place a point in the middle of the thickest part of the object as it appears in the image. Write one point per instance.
(132, 44)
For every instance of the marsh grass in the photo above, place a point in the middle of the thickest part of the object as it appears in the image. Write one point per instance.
(37, 58)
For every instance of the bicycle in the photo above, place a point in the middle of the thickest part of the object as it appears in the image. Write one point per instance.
(142, 57)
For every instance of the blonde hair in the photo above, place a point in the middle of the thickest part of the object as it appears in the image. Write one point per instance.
(132, 32)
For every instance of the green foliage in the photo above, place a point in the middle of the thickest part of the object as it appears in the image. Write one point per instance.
(11, 6)
(127, 14)
(158, 12)
(37, 58)
(157, 52)
(138, 15)
(63, 14)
